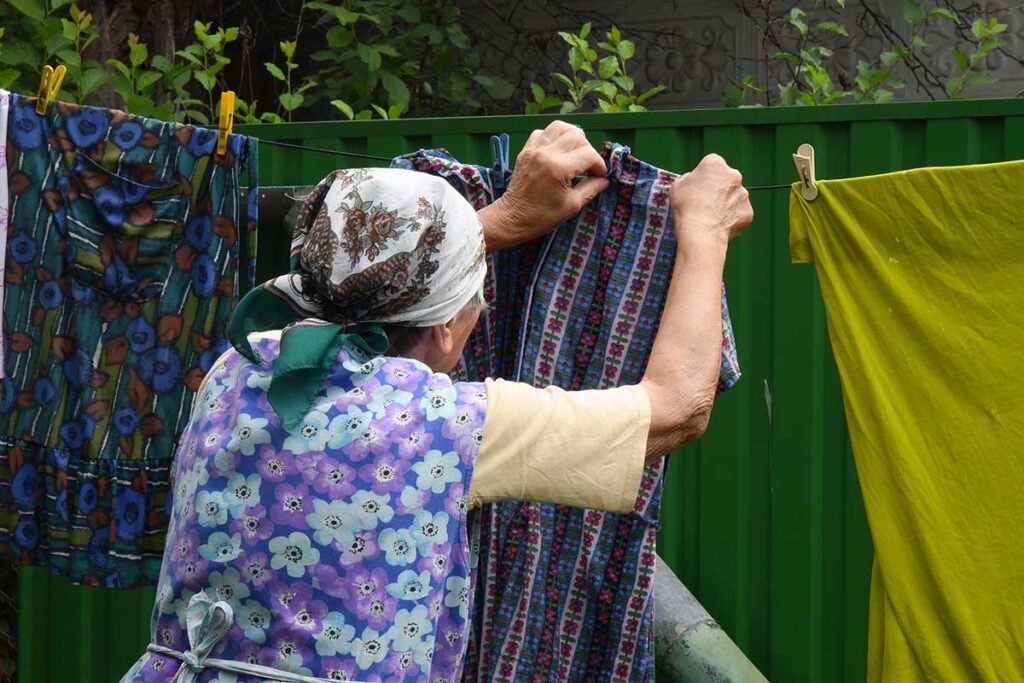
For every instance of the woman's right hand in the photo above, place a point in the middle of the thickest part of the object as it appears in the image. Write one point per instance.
(710, 203)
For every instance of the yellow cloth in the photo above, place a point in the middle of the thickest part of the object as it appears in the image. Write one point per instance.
(922, 274)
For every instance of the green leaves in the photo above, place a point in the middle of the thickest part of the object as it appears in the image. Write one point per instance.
(291, 101)
(961, 60)
(496, 87)
(608, 67)
(33, 9)
(398, 92)
(541, 101)
(392, 58)
(982, 29)
(415, 55)
(121, 68)
(369, 55)
(944, 13)
(344, 108)
(600, 80)
(986, 32)
(148, 79)
(342, 14)
(564, 80)
(811, 77)
(20, 54)
(796, 20)
(392, 112)
(92, 80)
(736, 91)
(831, 27)
(206, 79)
(980, 79)
(188, 55)
(288, 50)
(913, 12)
(7, 77)
(138, 53)
(649, 93)
(275, 71)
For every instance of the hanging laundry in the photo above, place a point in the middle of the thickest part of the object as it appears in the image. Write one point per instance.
(921, 275)
(564, 593)
(122, 271)
(5, 105)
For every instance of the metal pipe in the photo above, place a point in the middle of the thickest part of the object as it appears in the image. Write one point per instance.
(689, 645)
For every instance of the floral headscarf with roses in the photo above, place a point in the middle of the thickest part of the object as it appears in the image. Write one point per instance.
(371, 246)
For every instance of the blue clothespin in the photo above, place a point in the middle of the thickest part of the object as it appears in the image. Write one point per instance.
(499, 157)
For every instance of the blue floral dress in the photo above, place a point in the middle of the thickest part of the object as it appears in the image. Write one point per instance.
(340, 548)
(124, 262)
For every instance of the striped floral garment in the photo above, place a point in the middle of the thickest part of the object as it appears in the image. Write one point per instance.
(564, 593)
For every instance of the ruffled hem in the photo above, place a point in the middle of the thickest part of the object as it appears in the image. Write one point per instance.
(96, 522)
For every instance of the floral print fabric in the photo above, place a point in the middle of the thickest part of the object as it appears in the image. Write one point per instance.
(369, 244)
(341, 546)
(121, 273)
(5, 104)
(563, 593)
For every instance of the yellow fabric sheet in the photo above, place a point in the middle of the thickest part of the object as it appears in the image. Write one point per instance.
(922, 274)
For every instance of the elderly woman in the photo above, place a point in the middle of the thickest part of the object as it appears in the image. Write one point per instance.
(318, 529)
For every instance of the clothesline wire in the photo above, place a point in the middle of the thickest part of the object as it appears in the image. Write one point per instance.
(780, 186)
(324, 150)
(377, 157)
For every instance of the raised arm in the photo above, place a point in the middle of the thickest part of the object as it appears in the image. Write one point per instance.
(709, 207)
(587, 448)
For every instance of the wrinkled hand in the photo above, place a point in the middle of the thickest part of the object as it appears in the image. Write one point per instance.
(541, 194)
(710, 202)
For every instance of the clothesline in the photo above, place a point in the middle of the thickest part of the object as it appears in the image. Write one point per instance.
(377, 157)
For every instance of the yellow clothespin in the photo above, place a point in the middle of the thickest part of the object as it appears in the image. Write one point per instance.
(804, 160)
(226, 120)
(49, 87)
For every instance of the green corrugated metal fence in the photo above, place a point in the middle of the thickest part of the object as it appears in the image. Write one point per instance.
(763, 520)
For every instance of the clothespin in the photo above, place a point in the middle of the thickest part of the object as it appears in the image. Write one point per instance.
(499, 158)
(49, 87)
(226, 120)
(804, 160)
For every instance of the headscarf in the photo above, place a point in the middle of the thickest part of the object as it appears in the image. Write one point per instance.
(370, 246)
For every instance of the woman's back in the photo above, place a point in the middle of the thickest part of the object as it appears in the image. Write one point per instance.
(340, 546)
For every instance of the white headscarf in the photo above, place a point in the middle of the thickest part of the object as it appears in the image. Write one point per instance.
(384, 246)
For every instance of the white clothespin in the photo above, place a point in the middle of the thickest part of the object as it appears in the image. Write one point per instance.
(804, 160)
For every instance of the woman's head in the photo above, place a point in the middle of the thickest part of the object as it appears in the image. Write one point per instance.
(439, 346)
(394, 247)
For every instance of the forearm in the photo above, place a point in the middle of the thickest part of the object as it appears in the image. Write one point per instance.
(682, 374)
(503, 227)
(497, 232)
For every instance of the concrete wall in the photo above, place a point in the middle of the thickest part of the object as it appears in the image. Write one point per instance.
(694, 47)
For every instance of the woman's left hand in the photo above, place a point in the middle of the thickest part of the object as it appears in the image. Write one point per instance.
(541, 194)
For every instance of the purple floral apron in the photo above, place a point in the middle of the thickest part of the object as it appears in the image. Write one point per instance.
(337, 551)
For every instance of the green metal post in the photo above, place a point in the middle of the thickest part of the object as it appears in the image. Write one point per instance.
(690, 646)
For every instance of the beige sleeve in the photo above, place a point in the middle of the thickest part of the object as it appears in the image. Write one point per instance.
(580, 448)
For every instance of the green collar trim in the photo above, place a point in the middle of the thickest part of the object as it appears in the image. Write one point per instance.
(308, 352)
